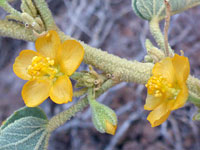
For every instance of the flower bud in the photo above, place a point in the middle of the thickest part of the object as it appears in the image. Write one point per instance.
(86, 80)
(103, 117)
(28, 19)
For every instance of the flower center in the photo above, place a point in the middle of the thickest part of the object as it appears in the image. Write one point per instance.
(41, 67)
(159, 87)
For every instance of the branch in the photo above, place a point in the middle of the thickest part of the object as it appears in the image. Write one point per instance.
(15, 30)
(121, 69)
(45, 14)
(167, 23)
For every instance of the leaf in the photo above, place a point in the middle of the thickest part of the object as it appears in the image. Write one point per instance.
(24, 112)
(25, 130)
(149, 9)
(28, 133)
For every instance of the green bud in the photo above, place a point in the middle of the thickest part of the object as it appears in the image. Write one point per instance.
(25, 8)
(31, 21)
(86, 80)
(148, 59)
(193, 98)
(103, 117)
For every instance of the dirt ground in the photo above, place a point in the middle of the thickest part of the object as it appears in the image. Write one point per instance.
(112, 26)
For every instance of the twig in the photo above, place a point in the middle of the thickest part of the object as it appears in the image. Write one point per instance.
(167, 23)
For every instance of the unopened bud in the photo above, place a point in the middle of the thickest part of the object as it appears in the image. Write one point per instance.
(86, 80)
(103, 117)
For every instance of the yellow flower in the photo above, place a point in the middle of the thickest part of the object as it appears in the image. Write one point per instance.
(167, 89)
(48, 69)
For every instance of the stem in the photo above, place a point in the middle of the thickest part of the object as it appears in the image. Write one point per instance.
(8, 8)
(91, 95)
(157, 34)
(122, 69)
(64, 116)
(15, 30)
(167, 23)
(80, 92)
(45, 14)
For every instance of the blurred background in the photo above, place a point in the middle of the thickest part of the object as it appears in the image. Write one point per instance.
(112, 26)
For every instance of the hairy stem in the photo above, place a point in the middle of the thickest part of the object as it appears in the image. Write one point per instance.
(167, 23)
(15, 30)
(8, 8)
(157, 34)
(121, 69)
(45, 14)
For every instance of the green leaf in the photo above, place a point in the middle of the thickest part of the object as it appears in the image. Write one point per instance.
(24, 112)
(25, 130)
(149, 9)
(27, 133)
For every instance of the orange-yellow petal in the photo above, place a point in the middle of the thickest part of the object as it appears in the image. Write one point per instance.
(159, 115)
(165, 68)
(182, 68)
(70, 56)
(181, 98)
(61, 92)
(152, 102)
(110, 128)
(48, 44)
(22, 62)
(35, 92)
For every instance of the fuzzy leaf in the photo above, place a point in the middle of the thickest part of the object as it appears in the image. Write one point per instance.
(149, 9)
(24, 130)
(25, 112)
(27, 133)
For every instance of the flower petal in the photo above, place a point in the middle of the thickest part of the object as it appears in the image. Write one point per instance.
(61, 92)
(35, 92)
(165, 68)
(152, 102)
(48, 44)
(70, 56)
(110, 128)
(182, 67)
(181, 98)
(22, 62)
(159, 115)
